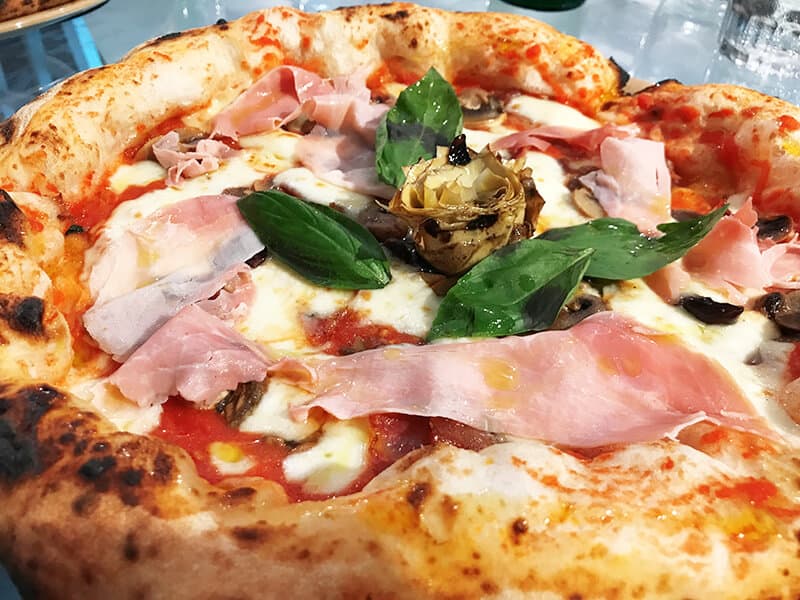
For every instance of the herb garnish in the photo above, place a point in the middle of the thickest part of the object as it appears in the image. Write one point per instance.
(427, 114)
(319, 243)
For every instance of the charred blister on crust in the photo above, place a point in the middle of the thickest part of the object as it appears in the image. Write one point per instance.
(12, 220)
(398, 15)
(7, 129)
(249, 535)
(418, 493)
(20, 452)
(23, 314)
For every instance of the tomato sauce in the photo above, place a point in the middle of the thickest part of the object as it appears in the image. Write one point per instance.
(793, 365)
(345, 332)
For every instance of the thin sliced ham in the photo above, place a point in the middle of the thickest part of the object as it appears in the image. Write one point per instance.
(234, 300)
(634, 182)
(339, 104)
(729, 258)
(607, 380)
(203, 243)
(539, 138)
(180, 164)
(194, 355)
(782, 262)
(344, 161)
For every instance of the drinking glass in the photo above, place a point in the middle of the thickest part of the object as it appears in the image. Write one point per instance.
(759, 46)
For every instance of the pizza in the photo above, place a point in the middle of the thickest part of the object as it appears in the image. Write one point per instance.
(12, 9)
(392, 302)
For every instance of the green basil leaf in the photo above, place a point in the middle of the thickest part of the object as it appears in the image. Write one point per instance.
(317, 242)
(517, 289)
(427, 114)
(622, 252)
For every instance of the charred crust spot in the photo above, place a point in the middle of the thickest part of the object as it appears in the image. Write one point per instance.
(416, 496)
(162, 467)
(164, 38)
(518, 528)
(7, 129)
(20, 452)
(23, 314)
(238, 494)
(12, 220)
(5, 405)
(413, 43)
(490, 587)
(624, 76)
(129, 549)
(100, 447)
(396, 16)
(84, 504)
(575, 597)
(131, 477)
(249, 534)
(80, 447)
(87, 575)
(74, 229)
(128, 497)
(65, 439)
(222, 24)
(95, 468)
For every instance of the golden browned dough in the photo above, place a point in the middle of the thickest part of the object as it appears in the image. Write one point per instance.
(10, 9)
(88, 511)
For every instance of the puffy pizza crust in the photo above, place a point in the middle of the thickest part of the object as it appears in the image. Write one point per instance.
(87, 511)
(85, 121)
(93, 513)
(10, 9)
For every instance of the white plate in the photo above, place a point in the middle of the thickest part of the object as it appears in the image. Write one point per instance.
(47, 17)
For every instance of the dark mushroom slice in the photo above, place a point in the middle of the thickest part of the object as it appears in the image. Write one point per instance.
(585, 202)
(685, 215)
(778, 229)
(782, 308)
(238, 404)
(584, 304)
(479, 105)
(711, 311)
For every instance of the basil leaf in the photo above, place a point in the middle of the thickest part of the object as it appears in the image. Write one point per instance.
(427, 114)
(317, 242)
(517, 289)
(622, 252)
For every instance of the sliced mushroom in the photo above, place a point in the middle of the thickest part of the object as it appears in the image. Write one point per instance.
(778, 229)
(584, 201)
(237, 404)
(459, 214)
(302, 125)
(479, 105)
(710, 311)
(382, 224)
(584, 304)
(784, 309)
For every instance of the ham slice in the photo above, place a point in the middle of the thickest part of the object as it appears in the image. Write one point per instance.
(729, 258)
(339, 104)
(607, 380)
(194, 354)
(234, 300)
(539, 138)
(179, 164)
(343, 161)
(199, 245)
(634, 182)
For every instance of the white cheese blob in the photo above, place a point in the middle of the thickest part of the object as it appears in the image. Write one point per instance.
(271, 414)
(303, 183)
(334, 462)
(138, 174)
(547, 112)
(106, 399)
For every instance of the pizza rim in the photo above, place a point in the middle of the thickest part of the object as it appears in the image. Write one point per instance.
(410, 497)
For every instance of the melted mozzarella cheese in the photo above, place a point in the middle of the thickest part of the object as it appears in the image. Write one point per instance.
(271, 414)
(550, 180)
(102, 397)
(138, 174)
(547, 112)
(334, 462)
(229, 459)
(303, 183)
(735, 346)
(282, 299)
(408, 303)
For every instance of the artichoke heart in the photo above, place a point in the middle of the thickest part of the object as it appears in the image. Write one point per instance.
(461, 213)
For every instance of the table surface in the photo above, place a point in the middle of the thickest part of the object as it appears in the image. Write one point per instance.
(653, 39)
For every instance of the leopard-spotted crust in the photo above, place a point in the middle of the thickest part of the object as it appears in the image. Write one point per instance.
(12, 9)
(87, 511)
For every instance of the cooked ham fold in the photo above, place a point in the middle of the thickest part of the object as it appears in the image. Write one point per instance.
(194, 355)
(180, 164)
(607, 380)
(338, 104)
(191, 250)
